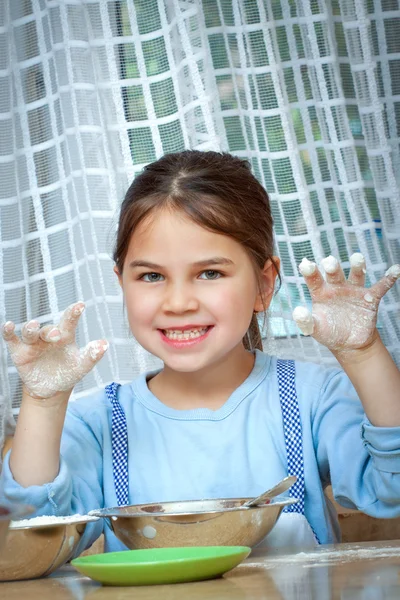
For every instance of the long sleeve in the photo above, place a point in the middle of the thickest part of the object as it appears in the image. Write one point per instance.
(361, 461)
(78, 487)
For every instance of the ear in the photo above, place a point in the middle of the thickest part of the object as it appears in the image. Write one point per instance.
(267, 283)
(118, 274)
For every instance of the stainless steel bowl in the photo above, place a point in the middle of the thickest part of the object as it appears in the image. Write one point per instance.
(220, 522)
(32, 551)
(9, 513)
(5, 518)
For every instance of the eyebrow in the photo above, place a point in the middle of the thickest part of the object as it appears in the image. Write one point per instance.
(215, 260)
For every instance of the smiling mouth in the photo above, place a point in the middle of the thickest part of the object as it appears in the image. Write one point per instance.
(187, 334)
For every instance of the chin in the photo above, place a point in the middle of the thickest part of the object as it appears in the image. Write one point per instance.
(185, 366)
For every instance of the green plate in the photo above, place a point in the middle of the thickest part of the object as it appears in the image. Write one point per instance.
(161, 565)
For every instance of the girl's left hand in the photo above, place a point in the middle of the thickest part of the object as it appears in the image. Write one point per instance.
(344, 312)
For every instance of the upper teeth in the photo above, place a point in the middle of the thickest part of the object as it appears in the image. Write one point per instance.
(178, 334)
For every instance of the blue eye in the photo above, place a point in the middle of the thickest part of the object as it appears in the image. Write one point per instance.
(210, 274)
(152, 277)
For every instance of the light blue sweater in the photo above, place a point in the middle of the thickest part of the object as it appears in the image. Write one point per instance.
(236, 451)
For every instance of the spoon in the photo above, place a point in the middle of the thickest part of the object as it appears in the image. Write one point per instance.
(278, 489)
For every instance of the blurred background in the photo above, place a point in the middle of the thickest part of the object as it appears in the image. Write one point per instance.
(92, 90)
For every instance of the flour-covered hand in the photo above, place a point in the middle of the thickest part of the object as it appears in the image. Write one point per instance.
(344, 312)
(47, 358)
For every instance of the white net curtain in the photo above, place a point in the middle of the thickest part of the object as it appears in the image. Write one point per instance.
(92, 90)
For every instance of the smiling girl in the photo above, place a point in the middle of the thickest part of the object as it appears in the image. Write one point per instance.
(194, 258)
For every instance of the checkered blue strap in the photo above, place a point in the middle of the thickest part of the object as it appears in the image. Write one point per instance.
(293, 434)
(119, 441)
(292, 431)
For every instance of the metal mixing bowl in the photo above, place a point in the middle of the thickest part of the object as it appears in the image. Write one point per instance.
(220, 522)
(7, 514)
(5, 518)
(32, 551)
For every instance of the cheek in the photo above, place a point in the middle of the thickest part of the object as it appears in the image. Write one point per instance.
(140, 306)
(235, 301)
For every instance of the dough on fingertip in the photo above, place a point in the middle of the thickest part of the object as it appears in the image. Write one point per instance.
(393, 271)
(357, 261)
(96, 348)
(304, 320)
(330, 264)
(307, 267)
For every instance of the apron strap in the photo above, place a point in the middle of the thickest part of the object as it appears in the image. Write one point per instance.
(119, 442)
(292, 431)
(293, 434)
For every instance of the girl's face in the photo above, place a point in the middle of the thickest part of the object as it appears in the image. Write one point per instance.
(189, 293)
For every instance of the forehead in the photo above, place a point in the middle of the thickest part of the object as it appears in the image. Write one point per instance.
(168, 233)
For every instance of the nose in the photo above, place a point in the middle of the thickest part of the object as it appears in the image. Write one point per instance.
(179, 299)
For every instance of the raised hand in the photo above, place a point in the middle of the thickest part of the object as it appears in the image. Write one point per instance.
(48, 359)
(344, 312)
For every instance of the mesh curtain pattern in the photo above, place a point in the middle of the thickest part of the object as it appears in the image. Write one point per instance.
(91, 91)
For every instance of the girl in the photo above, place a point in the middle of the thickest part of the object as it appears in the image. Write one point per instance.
(221, 419)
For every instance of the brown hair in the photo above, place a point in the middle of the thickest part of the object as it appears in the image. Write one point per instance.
(215, 190)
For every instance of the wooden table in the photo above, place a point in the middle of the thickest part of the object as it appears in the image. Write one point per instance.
(365, 571)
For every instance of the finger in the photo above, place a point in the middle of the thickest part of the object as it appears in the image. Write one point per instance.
(304, 320)
(383, 285)
(92, 353)
(30, 332)
(311, 274)
(333, 271)
(70, 317)
(357, 269)
(50, 333)
(9, 336)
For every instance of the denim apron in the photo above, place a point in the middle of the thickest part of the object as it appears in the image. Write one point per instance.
(292, 527)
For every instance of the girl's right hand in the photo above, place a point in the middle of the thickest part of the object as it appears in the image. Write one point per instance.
(48, 359)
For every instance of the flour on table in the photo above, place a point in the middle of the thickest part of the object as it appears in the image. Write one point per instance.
(323, 557)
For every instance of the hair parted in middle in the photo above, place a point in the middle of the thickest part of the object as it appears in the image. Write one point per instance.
(215, 190)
